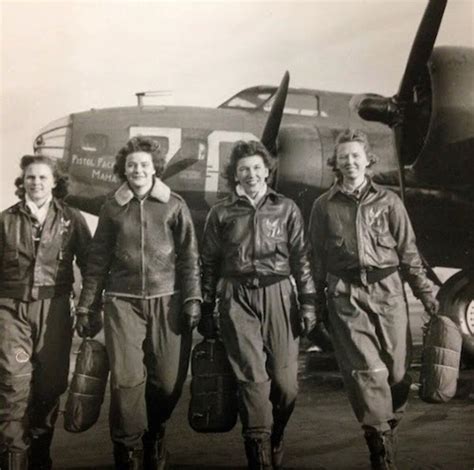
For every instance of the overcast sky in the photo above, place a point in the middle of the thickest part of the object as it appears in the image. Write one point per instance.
(64, 57)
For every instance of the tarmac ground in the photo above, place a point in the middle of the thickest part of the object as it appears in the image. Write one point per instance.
(322, 434)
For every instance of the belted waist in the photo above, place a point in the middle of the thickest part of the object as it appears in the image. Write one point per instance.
(254, 281)
(364, 276)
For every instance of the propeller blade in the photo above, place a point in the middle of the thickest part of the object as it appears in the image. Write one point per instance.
(422, 47)
(397, 132)
(272, 126)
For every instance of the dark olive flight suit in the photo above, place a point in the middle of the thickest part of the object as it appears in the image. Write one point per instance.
(255, 250)
(362, 248)
(144, 257)
(36, 277)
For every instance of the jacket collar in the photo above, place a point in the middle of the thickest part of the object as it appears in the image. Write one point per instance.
(337, 188)
(234, 197)
(22, 207)
(159, 191)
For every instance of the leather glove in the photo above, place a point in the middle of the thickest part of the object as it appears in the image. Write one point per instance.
(191, 314)
(207, 326)
(308, 317)
(88, 323)
(431, 304)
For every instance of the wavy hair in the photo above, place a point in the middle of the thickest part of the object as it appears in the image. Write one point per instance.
(59, 191)
(139, 144)
(242, 149)
(352, 135)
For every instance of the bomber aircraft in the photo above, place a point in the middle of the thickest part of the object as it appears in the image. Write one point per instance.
(423, 136)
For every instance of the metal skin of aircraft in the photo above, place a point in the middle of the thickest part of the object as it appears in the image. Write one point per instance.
(423, 136)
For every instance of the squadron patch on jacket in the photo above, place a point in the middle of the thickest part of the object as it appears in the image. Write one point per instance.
(64, 225)
(272, 228)
(21, 355)
(376, 218)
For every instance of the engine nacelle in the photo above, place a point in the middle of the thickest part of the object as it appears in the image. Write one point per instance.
(300, 168)
(447, 154)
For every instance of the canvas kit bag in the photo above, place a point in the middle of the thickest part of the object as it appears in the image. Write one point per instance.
(213, 405)
(87, 388)
(442, 342)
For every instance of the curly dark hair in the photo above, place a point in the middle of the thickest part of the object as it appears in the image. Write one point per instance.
(59, 191)
(352, 135)
(139, 144)
(242, 149)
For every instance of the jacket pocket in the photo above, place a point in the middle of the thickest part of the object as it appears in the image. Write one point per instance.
(337, 287)
(387, 241)
(11, 259)
(335, 242)
(11, 266)
(282, 249)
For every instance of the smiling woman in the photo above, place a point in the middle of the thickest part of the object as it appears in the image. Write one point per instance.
(40, 179)
(139, 172)
(144, 259)
(39, 182)
(39, 238)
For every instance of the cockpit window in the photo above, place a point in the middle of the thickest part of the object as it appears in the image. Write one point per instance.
(300, 104)
(54, 139)
(248, 99)
(94, 143)
(299, 101)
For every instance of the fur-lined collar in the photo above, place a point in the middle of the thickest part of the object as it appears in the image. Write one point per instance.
(159, 191)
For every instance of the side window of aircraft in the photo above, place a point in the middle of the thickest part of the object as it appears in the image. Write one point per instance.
(169, 138)
(247, 99)
(302, 104)
(164, 144)
(94, 143)
(194, 148)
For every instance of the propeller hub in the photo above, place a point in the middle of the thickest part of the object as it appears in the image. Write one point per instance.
(376, 108)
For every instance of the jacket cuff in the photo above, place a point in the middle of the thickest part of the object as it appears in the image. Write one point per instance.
(209, 298)
(307, 299)
(190, 299)
(84, 311)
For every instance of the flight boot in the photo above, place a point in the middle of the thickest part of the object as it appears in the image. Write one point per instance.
(14, 461)
(259, 454)
(278, 447)
(394, 427)
(127, 459)
(40, 458)
(381, 449)
(155, 453)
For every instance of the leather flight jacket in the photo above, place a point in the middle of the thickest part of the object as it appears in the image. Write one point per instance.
(352, 237)
(257, 246)
(29, 272)
(142, 248)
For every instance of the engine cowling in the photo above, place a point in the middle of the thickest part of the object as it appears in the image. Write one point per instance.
(447, 153)
(300, 167)
(436, 124)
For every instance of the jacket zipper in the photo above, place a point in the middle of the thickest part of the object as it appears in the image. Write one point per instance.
(255, 238)
(360, 251)
(142, 246)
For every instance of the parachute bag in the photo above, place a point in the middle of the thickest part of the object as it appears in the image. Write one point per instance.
(442, 342)
(213, 405)
(87, 388)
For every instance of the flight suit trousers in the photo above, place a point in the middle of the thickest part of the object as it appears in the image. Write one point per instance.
(371, 335)
(34, 363)
(149, 358)
(260, 330)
